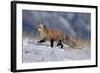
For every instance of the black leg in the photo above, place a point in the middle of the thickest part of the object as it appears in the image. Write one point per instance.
(60, 43)
(52, 41)
(41, 41)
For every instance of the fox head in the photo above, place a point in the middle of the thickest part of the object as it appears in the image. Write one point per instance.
(41, 27)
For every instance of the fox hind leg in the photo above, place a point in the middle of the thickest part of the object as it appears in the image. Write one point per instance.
(60, 44)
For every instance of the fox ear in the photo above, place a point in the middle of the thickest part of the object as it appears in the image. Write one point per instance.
(44, 25)
(41, 23)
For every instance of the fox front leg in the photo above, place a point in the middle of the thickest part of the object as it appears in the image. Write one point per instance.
(51, 41)
(42, 40)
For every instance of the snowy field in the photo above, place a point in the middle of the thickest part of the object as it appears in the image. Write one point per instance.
(35, 52)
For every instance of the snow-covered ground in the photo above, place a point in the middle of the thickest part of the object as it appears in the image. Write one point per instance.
(35, 52)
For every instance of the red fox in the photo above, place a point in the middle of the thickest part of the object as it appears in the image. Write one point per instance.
(52, 35)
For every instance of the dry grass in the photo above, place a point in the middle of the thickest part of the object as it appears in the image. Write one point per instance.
(83, 43)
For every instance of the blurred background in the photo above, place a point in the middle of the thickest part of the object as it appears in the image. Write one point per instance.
(71, 23)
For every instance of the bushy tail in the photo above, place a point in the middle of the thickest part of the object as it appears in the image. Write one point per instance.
(69, 42)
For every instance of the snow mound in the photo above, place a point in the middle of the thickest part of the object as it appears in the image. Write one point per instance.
(34, 52)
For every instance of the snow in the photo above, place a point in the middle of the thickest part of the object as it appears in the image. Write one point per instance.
(35, 52)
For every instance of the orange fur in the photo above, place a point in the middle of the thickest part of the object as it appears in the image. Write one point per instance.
(56, 35)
